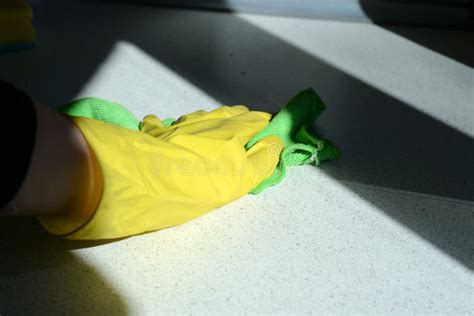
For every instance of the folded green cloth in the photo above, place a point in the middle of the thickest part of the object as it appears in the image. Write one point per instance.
(293, 125)
(101, 110)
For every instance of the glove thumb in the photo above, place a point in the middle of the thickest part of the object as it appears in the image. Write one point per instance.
(152, 125)
(262, 159)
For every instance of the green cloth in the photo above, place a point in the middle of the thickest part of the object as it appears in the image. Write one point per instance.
(105, 111)
(293, 125)
(101, 110)
(168, 122)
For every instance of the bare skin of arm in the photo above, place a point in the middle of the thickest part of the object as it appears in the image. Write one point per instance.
(59, 179)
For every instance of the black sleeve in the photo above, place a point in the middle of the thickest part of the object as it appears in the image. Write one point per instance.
(17, 138)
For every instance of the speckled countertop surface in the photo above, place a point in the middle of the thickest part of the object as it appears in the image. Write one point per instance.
(385, 230)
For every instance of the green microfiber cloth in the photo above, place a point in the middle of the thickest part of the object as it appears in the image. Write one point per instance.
(105, 111)
(293, 125)
(101, 110)
(302, 145)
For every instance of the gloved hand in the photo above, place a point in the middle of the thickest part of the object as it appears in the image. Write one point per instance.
(165, 176)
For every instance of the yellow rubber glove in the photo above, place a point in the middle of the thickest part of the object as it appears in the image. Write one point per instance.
(165, 176)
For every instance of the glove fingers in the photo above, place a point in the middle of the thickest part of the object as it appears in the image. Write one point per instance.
(262, 160)
(219, 113)
(238, 130)
(224, 112)
(152, 125)
(264, 115)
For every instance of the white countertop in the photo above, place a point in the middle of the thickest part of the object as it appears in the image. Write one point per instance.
(385, 230)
